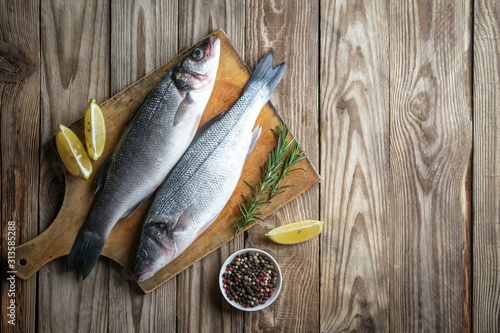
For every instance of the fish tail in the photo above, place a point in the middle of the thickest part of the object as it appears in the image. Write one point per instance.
(265, 78)
(85, 252)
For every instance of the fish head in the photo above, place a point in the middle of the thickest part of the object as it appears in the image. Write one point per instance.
(156, 250)
(198, 69)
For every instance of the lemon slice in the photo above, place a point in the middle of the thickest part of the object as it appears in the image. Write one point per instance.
(297, 232)
(72, 153)
(95, 131)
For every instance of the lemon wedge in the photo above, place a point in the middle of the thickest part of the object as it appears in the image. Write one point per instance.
(297, 232)
(72, 153)
(95, 131)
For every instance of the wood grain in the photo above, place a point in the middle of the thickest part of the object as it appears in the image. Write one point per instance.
(143, 36)
(75, 68)
(290, 29)
(200, 306)
(393, 150)
(431, 136)
(355, 166)
(486, 181)
(57, 240)
(19, 132)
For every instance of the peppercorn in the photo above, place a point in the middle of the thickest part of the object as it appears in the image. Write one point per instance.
(249, 278)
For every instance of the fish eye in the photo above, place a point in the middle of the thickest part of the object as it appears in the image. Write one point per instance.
(197, 53)
(143, 255)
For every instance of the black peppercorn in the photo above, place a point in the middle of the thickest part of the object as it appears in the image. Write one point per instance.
(249, 284)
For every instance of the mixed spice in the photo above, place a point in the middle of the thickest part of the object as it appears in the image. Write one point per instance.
(250, 279)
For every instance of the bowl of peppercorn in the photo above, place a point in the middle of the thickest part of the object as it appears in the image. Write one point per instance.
(250, 279)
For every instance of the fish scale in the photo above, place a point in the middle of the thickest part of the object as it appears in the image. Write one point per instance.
(201, 183)
(156, 136)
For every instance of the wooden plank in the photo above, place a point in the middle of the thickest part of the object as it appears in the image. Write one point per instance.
(144, 35)
(197, 291)
(431, 136)
(19, 131)
(354, 165)
(290, 29)
(486, 170)
(57, 240)
(75, 68)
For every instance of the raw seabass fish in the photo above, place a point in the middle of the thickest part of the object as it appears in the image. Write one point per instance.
(199, 186)
(156, 136)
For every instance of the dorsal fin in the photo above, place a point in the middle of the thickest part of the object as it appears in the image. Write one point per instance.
(210, 123)
(101, 177)
(132, 210)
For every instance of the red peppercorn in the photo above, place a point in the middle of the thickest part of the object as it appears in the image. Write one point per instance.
(230, 269)
(224, 281)
(236, 259)
(256, 301)
(257, 280)
(227, 291)
(271, 290)
(264, 279)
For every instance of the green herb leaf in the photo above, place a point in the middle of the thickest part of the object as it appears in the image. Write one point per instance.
(277, 167)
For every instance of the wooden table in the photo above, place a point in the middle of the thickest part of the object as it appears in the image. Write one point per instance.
(396, 103)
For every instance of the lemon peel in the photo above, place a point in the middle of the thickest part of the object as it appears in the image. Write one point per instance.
(95, 130)
(72, 153)
(296, 232)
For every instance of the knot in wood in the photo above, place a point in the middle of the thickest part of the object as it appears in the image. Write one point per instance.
(341, 105)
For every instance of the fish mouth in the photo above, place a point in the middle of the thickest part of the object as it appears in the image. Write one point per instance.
(152, 268)
(144, 274)
(197, 76)
(210, 49)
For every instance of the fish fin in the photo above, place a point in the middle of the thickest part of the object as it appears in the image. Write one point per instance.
(85, 252)
(132, 210)
(255, 137)
(183, 108)
(265, 78)
(199, 232)
(195, 127)
(210, 122)
(132, 115)
(182, 222)
(101, 177)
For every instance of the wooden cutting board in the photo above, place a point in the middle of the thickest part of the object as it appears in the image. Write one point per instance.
(122, 244)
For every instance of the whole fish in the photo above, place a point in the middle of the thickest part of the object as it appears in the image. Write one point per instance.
(199, 186)
(156, 136)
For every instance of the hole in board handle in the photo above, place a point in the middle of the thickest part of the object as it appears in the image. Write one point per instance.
(22, 262)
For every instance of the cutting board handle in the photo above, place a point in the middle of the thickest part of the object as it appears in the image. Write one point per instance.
(50, 244)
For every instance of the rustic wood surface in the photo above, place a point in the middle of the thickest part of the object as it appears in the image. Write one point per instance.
(486, 168)
(396, 103)
(121, 245)
(355, 167)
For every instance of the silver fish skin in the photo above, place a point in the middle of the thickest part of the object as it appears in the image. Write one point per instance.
(200, 185)
(156, 136)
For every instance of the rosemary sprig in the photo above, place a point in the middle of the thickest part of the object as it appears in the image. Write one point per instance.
(277, 167)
